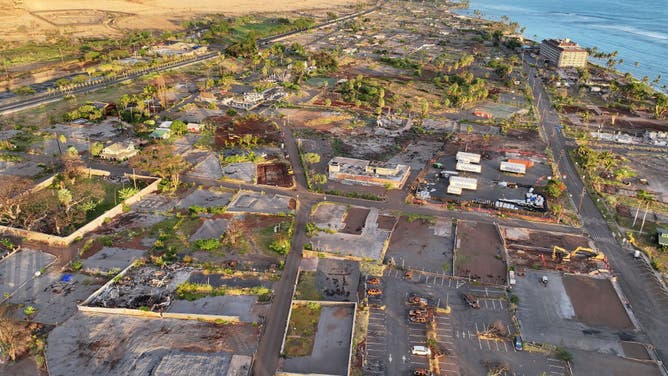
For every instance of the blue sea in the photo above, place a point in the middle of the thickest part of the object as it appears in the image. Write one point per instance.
(638, 29)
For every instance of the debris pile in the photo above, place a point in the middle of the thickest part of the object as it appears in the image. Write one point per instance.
(147, 287)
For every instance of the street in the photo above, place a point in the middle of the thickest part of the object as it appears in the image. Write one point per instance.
(646, 295)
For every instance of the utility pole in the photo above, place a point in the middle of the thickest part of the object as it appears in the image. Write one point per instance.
(643, 218)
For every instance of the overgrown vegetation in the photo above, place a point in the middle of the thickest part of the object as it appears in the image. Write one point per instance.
(301, 329)
(193, 291)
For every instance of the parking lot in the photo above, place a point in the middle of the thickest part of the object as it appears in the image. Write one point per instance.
(488, 179)
(391, 335)
(549, 315)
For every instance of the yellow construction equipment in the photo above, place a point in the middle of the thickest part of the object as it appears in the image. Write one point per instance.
(566, 256)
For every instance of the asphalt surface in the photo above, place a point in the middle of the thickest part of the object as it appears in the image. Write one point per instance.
(647, 297)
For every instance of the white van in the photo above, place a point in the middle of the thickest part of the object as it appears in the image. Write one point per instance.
(421, 350)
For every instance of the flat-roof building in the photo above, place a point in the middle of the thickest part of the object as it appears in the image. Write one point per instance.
(563, 53)
(365, 172)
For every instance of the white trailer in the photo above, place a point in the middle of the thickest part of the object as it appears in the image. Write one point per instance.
(454, 190)
(516, 168)
(463, 183)
(470, 167)
(463, 156)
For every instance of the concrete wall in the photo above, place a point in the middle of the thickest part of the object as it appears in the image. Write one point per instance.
(165, 315)
(64, 241)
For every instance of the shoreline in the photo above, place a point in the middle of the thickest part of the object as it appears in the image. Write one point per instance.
(618, 73)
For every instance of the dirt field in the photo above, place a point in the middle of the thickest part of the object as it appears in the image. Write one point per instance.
(418, 245)
(533, 248)
(635, 350)
(386, 222)
(230, 132)
(274, 174)
(479, 253)
(523, 238)
(596, 302)
(75, 17)
(355, 220)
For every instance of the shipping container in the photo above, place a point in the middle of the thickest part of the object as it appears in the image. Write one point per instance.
(467, 157)
(470, 167)
(464, 183)
(525, 162)
(516, 168)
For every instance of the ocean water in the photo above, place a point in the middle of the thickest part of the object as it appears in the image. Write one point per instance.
(638, 29)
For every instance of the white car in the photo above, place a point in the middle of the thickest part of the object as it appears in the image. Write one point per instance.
(421, 350)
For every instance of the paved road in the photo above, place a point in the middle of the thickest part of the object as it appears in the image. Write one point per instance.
(648, 298)
(44, 98)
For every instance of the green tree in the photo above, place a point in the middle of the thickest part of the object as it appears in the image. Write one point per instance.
(64, 198)
(320, 179)
(178, 127)
(424, 108)
(555, 188)
(660, 105)
(161, 160)
(96, 148)
(312, 158)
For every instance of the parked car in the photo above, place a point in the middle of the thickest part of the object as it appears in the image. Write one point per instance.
(421, 350)
(517, 342)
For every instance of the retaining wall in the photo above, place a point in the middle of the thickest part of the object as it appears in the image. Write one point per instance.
(64, 241)
(164, 315)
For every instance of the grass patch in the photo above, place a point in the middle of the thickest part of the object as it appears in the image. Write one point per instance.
(275, 242)
(307, 288)
(193, 291)
(301, 329)
(361, 328)
(175, 232)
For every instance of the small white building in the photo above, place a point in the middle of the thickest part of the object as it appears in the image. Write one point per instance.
(469, 167)
(119, 151)
(194, 127)
(463, 183)
(463, 156)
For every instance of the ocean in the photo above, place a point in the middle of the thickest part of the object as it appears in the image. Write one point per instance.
(637, 29)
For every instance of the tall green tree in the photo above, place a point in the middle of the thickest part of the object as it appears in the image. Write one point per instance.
(161, 160)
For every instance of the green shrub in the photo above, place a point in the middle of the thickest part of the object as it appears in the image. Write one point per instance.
(280, 246)
(196, 209)
(207, 244)
(76, 265)
(29, 310)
